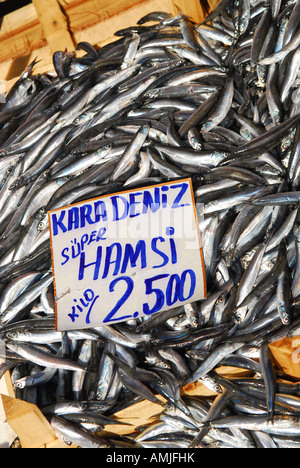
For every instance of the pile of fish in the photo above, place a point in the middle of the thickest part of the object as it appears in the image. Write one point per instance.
(218, 102)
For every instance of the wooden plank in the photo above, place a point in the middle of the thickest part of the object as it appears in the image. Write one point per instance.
(18, 21)
(103, 32)
(100, 34)
(32, 26)
(10, 70)
(85, 13)
(54, 25)
(20, 33)
(21, 44)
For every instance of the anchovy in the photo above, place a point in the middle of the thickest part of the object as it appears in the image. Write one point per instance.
(43, 358)
(222, 108)
(284, 425)
(72, 433)
(28, 296)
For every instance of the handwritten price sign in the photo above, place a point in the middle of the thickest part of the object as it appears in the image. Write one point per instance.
(126, 255)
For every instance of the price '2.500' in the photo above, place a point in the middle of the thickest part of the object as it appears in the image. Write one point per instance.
(179, 288)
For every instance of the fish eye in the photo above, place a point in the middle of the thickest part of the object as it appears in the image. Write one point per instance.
(12, 335)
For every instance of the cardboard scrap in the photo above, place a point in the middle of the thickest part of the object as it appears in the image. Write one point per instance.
(7, 435)
(22, 420)
(28, 422)
(137, 415)
(34, 431)
(286, 355)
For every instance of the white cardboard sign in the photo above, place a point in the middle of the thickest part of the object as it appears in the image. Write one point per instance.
(126, 255)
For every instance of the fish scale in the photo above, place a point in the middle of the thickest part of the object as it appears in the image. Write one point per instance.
(215, 101)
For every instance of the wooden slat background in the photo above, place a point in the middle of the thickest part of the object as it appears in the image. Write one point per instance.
(44, 26)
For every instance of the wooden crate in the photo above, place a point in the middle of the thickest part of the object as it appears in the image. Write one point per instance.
(45, 26)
